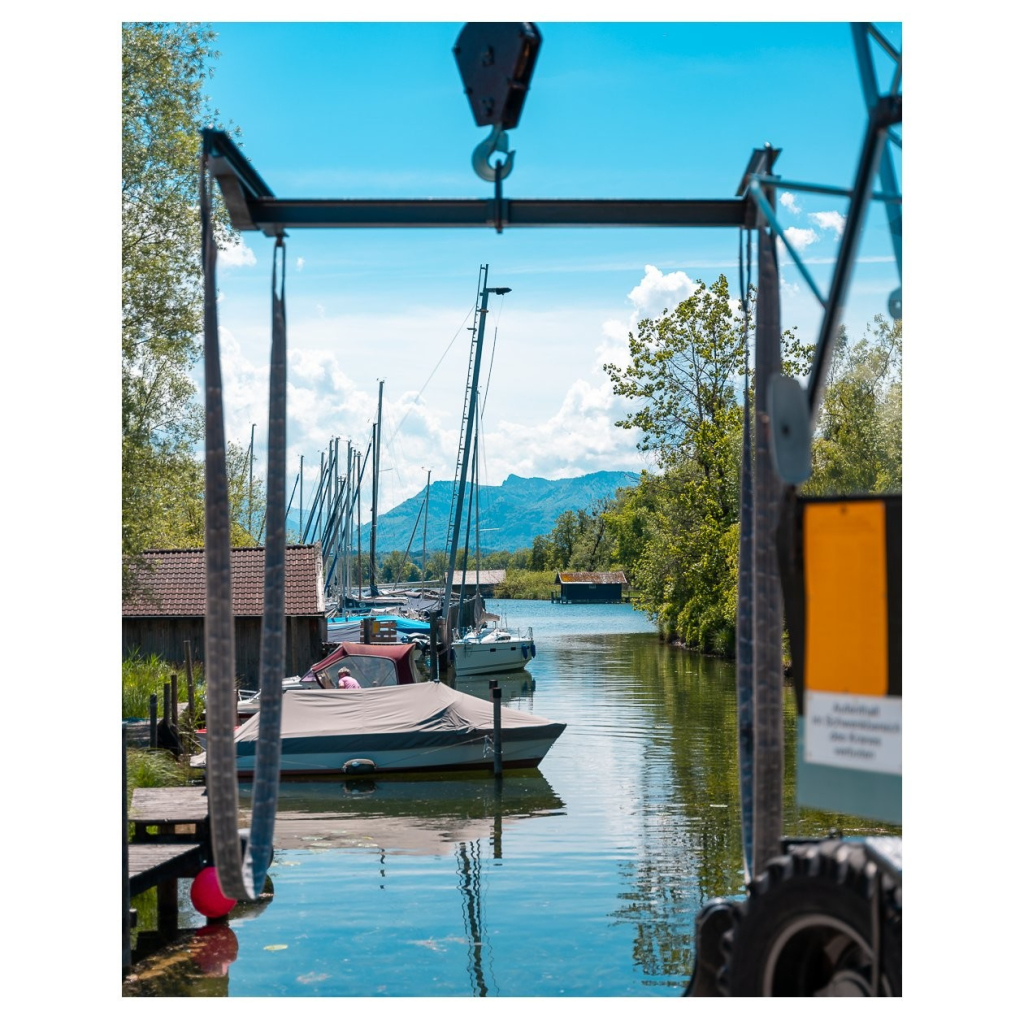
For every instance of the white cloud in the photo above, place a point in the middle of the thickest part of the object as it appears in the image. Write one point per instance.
(801, 238)
(558, 422)
(300, 263)
(658, 291)
(788, 200)
(581, 437)
(830, 220)
(614, 346)
(233, 252)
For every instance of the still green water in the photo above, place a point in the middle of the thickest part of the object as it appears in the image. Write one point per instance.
(579, 878)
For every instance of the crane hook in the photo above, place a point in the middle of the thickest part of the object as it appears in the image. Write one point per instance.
(496, 142)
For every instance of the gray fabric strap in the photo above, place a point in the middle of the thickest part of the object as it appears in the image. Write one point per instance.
(744, 607)
(260, 851)
(219, 656)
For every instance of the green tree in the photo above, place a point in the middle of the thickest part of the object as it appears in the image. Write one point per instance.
(682, 372)
(540, 554)
(437, 565)
(396, 568)
(564, 537)
(675, 534)
(164, 68)
(858, 443)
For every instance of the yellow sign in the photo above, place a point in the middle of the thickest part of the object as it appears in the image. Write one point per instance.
(846, 640)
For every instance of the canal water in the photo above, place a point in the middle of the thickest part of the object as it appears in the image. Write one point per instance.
(580, 878)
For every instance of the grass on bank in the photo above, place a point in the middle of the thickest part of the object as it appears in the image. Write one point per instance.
(142, 677)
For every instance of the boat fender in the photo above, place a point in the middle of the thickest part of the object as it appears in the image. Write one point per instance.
(533, 650)
(358, 766)
(526, 651)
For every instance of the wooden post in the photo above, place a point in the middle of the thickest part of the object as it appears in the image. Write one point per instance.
(152, 721)
(126, 907)
(190, 682)
(434, 666)
(174, 698)
(496, 698)
(167, 908)
(167, 704)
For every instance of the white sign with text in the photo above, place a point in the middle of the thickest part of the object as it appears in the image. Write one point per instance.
(849, 730)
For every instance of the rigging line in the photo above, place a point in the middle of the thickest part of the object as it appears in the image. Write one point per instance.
(437, 367)
(483, 457)
(389, 444)
(494, 346)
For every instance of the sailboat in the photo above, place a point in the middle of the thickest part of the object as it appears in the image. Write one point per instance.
(486, 647)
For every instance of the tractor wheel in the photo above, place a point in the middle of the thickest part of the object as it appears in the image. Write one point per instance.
(807, 927)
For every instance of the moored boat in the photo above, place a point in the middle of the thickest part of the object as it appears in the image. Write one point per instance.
(372, 665)
(426, 727)
(492, 648)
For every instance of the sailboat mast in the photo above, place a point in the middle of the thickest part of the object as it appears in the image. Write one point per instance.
(426, 506)
(470, 419)
(476, 492)
(252, 449)
(469, 523)
(346, 534)
(376, 483)
(359, 526)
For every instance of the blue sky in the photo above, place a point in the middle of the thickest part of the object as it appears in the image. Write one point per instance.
(615, 110)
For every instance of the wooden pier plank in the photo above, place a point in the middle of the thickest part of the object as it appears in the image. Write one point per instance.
(150, 864)
(178, 805)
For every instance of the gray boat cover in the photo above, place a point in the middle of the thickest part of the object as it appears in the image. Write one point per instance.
(389, 710)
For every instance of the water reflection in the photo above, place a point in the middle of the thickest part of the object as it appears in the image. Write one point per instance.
(516, 687)
(408, 816)
(467, 856)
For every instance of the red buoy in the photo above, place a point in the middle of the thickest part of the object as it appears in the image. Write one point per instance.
(207, 896)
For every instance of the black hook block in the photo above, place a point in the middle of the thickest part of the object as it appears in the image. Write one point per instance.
(496, 62)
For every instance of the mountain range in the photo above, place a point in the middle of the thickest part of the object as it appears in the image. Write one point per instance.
(511, 515)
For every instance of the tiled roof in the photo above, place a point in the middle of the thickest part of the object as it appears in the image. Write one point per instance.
(177, 585)
(592, 577)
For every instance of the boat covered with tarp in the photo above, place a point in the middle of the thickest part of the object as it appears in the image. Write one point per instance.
(427, 727)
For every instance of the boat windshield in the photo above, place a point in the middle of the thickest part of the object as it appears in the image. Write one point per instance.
(368, 671)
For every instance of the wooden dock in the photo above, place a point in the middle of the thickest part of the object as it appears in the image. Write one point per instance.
(180, 844)
(171, 841)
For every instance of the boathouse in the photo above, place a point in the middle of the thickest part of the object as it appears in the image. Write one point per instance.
(590, 587)
(169, 608)
(486, 579)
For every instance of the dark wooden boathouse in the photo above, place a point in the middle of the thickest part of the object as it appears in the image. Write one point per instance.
(590, 587)
(169, 608)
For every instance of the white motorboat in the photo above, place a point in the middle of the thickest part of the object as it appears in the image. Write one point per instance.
(492, 648)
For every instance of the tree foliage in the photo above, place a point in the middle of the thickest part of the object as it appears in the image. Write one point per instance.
(683, 368)
(163, 71)
(858, 444)
(676, 533)
(675, 530)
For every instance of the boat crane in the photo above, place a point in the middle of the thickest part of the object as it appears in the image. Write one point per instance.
(821, 916)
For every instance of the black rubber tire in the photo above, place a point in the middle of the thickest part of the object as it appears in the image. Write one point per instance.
(806, 927)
